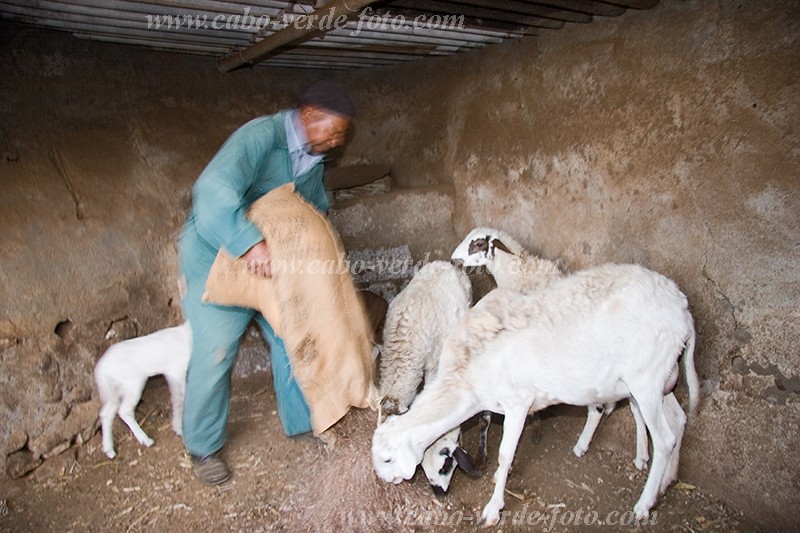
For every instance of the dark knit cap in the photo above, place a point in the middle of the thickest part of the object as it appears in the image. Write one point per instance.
(330, 96)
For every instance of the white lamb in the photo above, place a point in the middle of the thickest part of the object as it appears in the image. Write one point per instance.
(597, 336)
(123, 370)
(513, 267)
(418, 322)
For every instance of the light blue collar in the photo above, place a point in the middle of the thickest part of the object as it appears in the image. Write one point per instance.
(297, 143)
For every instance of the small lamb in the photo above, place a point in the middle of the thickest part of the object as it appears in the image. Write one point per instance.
(123, 370)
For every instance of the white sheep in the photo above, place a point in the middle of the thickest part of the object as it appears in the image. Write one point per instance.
(597, 336)
(418, 322)
(123, 370)
(514, 268)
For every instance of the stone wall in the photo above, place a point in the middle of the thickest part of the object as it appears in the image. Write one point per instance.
(666, 137)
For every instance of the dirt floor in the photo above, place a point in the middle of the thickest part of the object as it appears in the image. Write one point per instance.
(282, 484)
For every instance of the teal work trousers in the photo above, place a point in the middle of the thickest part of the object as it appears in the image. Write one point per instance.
(216, 331)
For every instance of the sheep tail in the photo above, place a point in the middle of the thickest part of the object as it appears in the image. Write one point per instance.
(689, 369)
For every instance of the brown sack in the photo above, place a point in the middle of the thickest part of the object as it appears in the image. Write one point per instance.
(310, 301)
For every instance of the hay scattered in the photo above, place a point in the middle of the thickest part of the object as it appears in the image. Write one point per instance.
(347, 495)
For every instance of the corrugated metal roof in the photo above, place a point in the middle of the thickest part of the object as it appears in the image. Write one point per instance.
(383, 33)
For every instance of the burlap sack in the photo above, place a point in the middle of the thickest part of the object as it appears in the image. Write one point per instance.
(310, 301)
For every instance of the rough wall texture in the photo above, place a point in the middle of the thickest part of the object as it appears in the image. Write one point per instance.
(667, 138)
(99, 147)
(420, 217)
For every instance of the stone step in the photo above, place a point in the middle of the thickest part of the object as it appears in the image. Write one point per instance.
(420, 218)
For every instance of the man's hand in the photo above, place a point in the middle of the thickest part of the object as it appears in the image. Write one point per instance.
(258, 260)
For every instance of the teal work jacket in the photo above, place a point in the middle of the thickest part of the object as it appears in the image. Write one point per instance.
(253, 161)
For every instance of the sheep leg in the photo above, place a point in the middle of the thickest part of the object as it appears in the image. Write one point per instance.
(677, 420)
(595, 413)
(512, 429)
(485, 422)
(536, 428)
(176, 392)
(126, 413)
(642, 453)
(664, 441)
(107, 414)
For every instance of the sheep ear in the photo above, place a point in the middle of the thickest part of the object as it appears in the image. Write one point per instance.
(498, 244)
(466, 463)
(478, 245)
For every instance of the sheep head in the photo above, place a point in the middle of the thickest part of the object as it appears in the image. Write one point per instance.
(481, 245)
(438, 462)
(441, 458)
(393, 456)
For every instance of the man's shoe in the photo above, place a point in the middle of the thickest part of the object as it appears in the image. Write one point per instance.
(210, 469)
(330, 436)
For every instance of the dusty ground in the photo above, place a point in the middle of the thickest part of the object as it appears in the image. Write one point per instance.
(153, 489)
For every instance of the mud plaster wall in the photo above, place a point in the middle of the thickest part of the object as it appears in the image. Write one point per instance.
(99, 147)
(668, 138)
